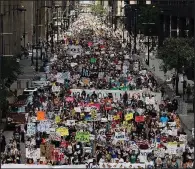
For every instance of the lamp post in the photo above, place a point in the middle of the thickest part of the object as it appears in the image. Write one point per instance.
(194, 62)
(149, 30)
(36, 45)
(24, 29)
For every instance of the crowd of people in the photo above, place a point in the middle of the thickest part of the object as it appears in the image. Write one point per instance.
(102, 109)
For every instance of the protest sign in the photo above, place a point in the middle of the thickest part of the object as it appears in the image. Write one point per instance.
(70, 123)
(43, 150)
(159, 153)
(139, 119)
(33, 153)
(93, 60)
(49, 151)
(55, 89)
(120, 136)
(31, 129)
(43, 126)
(40, 115)
(57, 119)
(117, 117)
(129, 116)
(85, 81)
(143, 155)
(183, 138)
(62, 131)
(66, 75)
(69, 99)
(77, 109)
(172, 147)
(82, 136)
(85, 73)
(101, 75)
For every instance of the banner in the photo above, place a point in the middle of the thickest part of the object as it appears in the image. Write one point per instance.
(122, 165)
(82, 136)
(116, 93)
(62, 131)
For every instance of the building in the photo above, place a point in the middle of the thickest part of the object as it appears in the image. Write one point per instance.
(176, 18)
(10, 27)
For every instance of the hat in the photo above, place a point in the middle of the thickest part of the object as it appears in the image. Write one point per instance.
(121, 160)
(116, 159)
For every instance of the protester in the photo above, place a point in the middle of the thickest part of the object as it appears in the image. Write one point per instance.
(100, 109)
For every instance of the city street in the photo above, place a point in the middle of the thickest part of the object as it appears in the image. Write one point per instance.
(91, 100)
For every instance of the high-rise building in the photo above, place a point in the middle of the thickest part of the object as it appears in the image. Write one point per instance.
(176, 17)
(10, 27)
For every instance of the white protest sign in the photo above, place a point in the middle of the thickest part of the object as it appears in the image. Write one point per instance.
(44, 126)
(52, 130)
(143, 155)
(70, 123)
(33, 119)
(31, 129)
(183, 138)
(174, 132)
(172, 124)
(120, 136)
(55, 88)
(77, 109)
(159, 153)
(150, 100)
(33, 153)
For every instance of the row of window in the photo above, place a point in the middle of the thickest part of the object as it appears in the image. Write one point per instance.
(162, 2)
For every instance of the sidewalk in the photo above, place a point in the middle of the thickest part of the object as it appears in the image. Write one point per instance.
(26, 77)
(187, 119)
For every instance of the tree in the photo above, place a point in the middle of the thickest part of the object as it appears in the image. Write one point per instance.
(10, 70)
(98, 9)
(176, 53)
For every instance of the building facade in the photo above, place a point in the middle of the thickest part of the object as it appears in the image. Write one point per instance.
(176, 18)
(10, 27)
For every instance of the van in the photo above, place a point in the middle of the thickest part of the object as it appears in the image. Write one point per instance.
(29, 91)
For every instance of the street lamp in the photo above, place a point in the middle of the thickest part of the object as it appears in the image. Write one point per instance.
(194, 62)
(148, 60)
(37, 47)
(24, 29)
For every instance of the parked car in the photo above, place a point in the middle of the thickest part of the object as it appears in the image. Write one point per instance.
(40, 81)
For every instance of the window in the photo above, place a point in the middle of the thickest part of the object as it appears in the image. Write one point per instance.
(141, 2)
